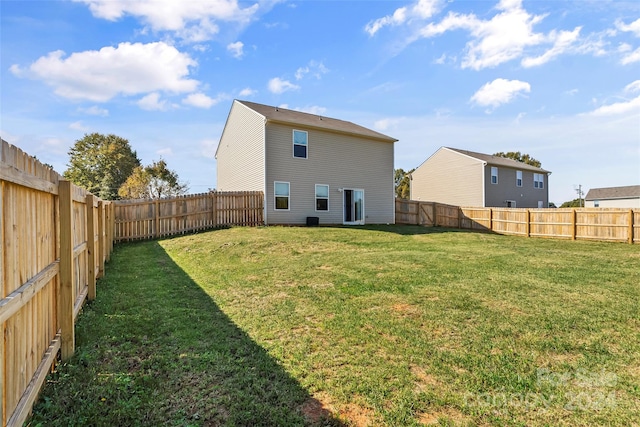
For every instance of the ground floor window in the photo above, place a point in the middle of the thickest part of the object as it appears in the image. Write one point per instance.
(322, 197)
(281, 194)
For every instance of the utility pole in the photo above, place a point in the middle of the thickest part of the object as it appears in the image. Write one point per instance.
(579, 191)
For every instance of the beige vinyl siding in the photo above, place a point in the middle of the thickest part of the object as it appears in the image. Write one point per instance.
(615, 203)
(333, 159)
(526, 196)
(240, 155)
(451, 178)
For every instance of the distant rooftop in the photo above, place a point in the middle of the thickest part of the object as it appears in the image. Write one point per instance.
(499, 161)
(606, 193)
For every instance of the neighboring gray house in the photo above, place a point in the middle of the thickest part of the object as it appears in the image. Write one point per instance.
(307, 166)
(613, 197)
(465, 178)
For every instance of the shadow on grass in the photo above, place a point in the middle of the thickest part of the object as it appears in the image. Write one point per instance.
(155, 349)
(407, 230)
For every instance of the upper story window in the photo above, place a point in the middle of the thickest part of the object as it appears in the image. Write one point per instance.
(494, 175)
(596, 203)
(322, 197)
(281, 195)
(518, 178)
(538, 180)
(300, 144)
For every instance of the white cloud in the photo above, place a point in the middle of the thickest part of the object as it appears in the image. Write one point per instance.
(506, 36)
(95, 111)
(312, 109)
(193, 21)
(386, 124)
(236, 49)
(277, 85)
(633, 87)
(563, 41)
(168, 151)
(247, 91)
(499, 91)
(314, 68)
(619, 108)
(128, 69)
(78, 126)
(631, 57)
(422, 9)
(633, 27)
(152, 102)
(200, 100)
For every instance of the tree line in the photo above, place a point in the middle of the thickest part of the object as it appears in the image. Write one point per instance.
(108, 167)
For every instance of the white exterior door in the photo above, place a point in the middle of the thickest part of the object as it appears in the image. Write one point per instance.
(353, 206)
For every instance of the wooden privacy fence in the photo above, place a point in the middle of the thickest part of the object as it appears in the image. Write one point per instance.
(56, 238)
(607, 224)
(152, 219)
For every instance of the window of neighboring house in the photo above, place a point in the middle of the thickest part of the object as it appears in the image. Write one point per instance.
(494, 175)
(538, 180)
(300, 144)
(510, 203)
(518, 178)
(322, 197)
(281, 195)
(596, 203)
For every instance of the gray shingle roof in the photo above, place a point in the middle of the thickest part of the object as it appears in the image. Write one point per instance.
(628, 192)
(499, 161)
(283, 115)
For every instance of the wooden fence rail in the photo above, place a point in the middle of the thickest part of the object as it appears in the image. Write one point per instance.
(606, 224)
(152, 219)
(56, 238)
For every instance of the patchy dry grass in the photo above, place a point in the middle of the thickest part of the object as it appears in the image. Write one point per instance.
(361, 326)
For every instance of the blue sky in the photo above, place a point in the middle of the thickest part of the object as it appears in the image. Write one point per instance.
(559, 80)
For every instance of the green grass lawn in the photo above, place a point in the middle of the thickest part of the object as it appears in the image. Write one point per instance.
(390, 325)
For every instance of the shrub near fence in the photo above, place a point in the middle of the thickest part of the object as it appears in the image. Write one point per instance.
(55, 240)
(152, 219)
(607, 224)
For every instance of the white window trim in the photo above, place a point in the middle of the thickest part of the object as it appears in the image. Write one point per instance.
(492, 175)
(538, 181)
(275, 208)
(293, 144)
(518, 178)
(510, 202)
(315, 198)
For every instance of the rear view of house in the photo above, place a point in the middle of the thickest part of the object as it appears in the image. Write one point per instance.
(466, 178)
(308, 166)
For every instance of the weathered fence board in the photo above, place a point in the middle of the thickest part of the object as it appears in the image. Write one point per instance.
(44, 265)
(605, 224)
(151, 219)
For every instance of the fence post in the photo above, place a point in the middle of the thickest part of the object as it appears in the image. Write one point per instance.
(574, 226)
(528, 223)
(214, 209)
(91, 247)
(459, 217)
(630, 226)
(435, 214)
(490, 219)
(67, 274)
(156, 218)
(102, 235)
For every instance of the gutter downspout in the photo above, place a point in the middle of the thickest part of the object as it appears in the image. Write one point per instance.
(484, 186)
(264, 141)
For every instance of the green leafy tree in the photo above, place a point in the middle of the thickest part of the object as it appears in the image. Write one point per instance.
(575, 203)
(524, 158)
(402, 181)
(101, 164)
(152, 182)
